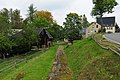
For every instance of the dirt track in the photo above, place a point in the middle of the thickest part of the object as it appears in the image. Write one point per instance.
(60, 69)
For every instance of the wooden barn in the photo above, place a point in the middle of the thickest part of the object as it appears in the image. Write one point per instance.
(45, 38)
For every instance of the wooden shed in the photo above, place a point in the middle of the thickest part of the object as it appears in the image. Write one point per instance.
(45, 39)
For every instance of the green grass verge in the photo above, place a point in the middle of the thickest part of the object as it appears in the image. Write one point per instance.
(88, 61)
(37, 68)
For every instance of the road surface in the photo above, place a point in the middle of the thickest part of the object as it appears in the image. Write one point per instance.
(113, 37)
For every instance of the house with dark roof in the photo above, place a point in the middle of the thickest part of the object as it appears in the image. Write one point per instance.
(45, 37)
(108, 23)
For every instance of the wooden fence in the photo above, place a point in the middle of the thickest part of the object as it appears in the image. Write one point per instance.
(113, 48)
(6, 66)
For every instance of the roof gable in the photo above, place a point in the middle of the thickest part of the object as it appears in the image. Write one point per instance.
(39, 30)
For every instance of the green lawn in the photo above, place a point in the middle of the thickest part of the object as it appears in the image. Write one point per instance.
(88, 61)
(37, 68)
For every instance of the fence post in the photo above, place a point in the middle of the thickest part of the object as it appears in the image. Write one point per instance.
(15, 64)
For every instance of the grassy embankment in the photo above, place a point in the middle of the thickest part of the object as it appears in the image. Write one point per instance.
(37, 68)
(88, 61)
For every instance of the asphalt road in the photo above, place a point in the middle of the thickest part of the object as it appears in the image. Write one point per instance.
(113, 37)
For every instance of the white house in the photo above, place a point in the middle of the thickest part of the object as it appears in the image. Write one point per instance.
(92, 29)
(108, 24)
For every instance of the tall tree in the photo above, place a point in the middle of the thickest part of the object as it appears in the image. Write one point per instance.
(44, 19)
(85, 21)
(72, 26)
(25, 39)
(40, 22)
(54, 29)
(16, 19)
(5, 31)
(5, 13)
(5, 27)
(11, 17)
(103, 6)
(31, 13)
(5, 45)
(29, 35)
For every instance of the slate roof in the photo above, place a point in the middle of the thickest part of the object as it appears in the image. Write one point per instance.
(17, 34)
(50, 36)
(107, 21)
(39, 30)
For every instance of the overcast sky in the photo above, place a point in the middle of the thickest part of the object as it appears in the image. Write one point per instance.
(58, 8)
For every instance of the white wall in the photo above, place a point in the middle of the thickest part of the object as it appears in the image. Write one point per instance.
(92, 29)
(108, 29)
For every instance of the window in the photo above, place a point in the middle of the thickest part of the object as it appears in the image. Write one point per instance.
(111, 28)
(107, 28)
(96, 26)
(111, 25)
(88, 31)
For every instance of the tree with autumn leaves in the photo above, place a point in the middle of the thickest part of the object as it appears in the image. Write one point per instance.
(44, 19)
(46, 14)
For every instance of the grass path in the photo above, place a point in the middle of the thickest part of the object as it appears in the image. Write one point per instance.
(36, 69)
(60, 69)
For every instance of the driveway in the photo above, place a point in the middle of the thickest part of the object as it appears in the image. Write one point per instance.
(113, 37)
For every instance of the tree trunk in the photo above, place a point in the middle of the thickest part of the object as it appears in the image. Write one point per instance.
(101, 21)
(3, 56)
